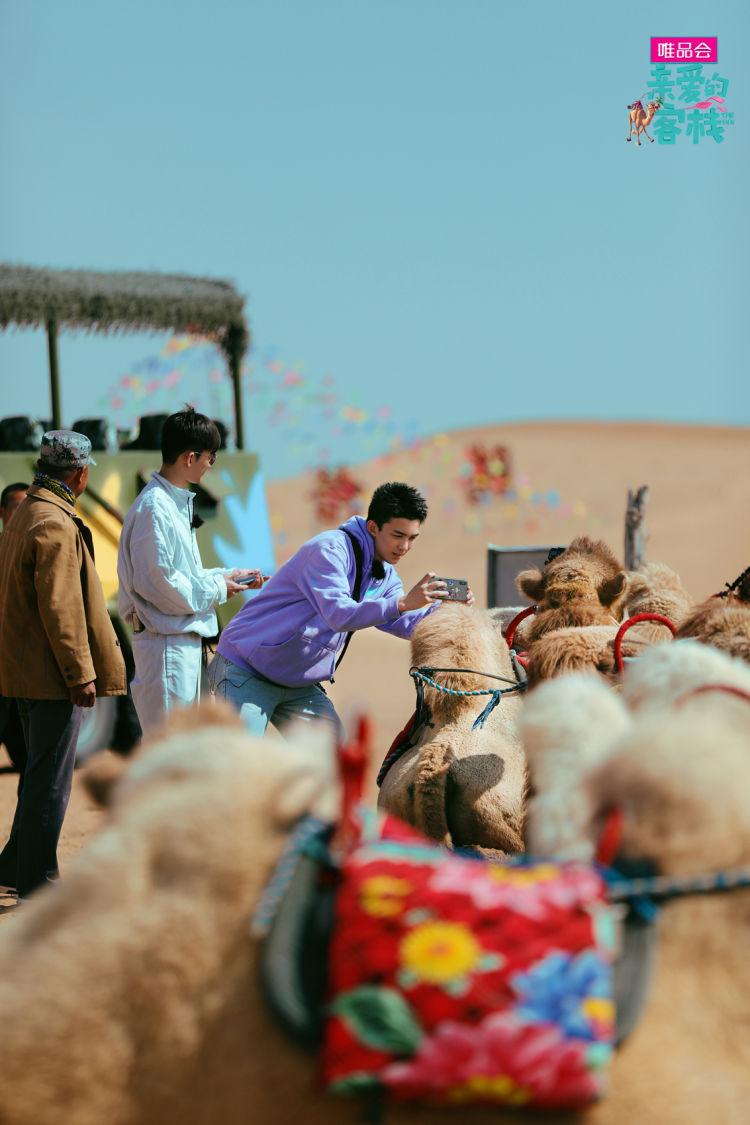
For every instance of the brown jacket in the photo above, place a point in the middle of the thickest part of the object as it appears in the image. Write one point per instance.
(55, 632)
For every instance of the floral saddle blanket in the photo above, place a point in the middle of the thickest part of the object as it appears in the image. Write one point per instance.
(454, 981)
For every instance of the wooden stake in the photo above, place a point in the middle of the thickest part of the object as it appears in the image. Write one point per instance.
(636, 534)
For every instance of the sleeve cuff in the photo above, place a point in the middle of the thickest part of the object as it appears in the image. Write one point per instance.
(392, 611)
(221, 586)
(77, 674)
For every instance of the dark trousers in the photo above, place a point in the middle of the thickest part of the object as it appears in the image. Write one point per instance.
(50, 728)
(11, 735)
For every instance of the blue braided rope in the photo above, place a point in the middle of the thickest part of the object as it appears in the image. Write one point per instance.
(665, 886)
(417, 674)
(303, 840)
(496, 694)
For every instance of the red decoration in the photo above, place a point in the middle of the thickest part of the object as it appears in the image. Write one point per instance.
(489, 473)
(335, 494)
(454, 981)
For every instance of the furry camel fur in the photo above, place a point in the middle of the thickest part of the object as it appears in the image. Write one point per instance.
(585, 585)
(681, 776)
(574, 723)
(459, 785)
(129, 992)
(579, 597)
(656, 588)
(723, 622)
(590, 647)
(666, 674)
(130, 995)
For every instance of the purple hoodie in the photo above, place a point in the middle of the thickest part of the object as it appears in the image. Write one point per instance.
(293, 630)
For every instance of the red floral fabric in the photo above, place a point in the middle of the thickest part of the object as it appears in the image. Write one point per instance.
(457, 981)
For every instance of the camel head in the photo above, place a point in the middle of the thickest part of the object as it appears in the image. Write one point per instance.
(585, 585)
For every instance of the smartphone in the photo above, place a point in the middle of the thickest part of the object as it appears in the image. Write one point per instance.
(458, 589)
(249, 579)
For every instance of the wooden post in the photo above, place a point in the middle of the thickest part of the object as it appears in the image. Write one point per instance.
(636, 534)
(239, 426)
(54, 374)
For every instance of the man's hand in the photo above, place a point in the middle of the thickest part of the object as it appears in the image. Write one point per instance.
(83, 695)
(469, 597)
(427, 590)
(256, 578)
(233, 587)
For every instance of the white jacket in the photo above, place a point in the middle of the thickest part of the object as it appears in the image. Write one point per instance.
(162, 579)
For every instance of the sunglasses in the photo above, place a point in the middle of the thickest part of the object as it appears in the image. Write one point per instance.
(211, 456)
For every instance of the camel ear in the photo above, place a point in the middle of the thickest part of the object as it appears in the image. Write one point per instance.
(611, 589)
(531, 583)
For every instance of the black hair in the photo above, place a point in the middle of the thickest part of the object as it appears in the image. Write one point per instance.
(186, 432)
(396, 501)
(17, 487)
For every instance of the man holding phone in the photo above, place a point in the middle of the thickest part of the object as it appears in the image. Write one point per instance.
(275, 652)
(166, 594)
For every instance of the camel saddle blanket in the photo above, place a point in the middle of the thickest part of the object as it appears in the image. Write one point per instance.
(456, 981)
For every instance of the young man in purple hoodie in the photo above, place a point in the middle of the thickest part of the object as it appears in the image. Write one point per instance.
(274, 653)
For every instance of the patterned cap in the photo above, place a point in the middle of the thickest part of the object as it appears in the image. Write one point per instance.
(65, 449)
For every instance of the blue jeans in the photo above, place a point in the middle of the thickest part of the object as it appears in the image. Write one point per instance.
(260, 702)
(50, 729)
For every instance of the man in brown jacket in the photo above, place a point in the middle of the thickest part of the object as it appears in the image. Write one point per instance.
(58, 649)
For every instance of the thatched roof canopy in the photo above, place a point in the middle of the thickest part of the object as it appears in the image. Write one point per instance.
(124, 302)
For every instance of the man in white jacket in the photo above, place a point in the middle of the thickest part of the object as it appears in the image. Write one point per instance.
(166, 594)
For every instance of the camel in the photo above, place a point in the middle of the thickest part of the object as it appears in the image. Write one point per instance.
(639, 118)
(656, 588)
(577, 648)
(130, 991)
(458, 785)
(723, 620)
(680, 775)
(665, 674)
(579, 596)
(585, 585)
(584, 717)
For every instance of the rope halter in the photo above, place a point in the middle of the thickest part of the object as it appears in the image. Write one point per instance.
(423, 676)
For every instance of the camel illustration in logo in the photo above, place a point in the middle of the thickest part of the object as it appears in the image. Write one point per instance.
(639, 118)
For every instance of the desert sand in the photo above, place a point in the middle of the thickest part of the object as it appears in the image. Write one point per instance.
(569, 479)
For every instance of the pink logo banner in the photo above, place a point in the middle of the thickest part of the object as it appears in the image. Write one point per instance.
(670, 48)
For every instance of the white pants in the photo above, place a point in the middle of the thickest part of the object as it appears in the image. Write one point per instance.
(167, 675)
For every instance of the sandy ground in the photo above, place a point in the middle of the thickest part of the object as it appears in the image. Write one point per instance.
(570, 479)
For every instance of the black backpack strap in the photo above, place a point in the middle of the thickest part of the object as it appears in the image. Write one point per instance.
(359, 560)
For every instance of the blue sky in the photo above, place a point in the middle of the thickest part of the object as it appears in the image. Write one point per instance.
(433, 201)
